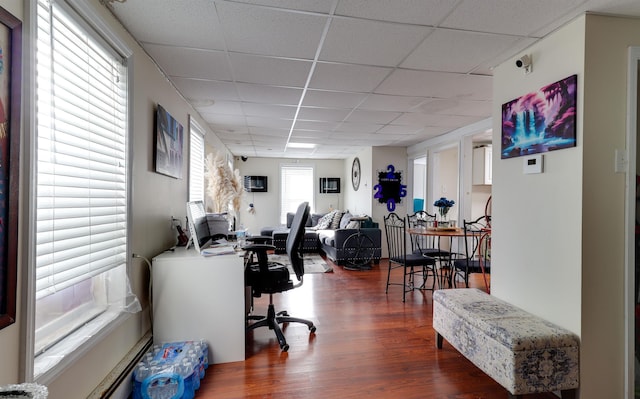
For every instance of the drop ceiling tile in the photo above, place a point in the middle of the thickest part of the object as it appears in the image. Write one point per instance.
(269, 94)
(269, 71)
(507, 16)
(399, 129)
(420, 12)
(197, 89)
(358, 127)
(381, 102)
(437, 84)
(456, 51)
(256, 121)
(269, 111)
(347, 77)
(311, 135)
(456, 106)
(377, 117)
(336, 99)
(222, 107)
(322, 114)
(321, 126)
(190, 62)
(192, 23)
(260, 30)
(302, 5)
(261, 131)
(227, 122)
(370, 42)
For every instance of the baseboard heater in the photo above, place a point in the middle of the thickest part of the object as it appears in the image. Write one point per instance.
(122, 372)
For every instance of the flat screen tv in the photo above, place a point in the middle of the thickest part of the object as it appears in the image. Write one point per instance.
(540, 121)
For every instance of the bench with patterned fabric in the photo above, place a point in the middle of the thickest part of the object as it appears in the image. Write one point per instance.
(522, 352)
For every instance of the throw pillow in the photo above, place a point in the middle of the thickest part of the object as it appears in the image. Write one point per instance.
(353, 225)
(324, 221)
(335, 221)
(344, 221)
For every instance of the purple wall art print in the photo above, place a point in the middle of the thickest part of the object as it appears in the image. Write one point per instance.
(541, 121)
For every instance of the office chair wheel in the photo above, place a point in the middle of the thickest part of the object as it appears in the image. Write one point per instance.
(358, 249)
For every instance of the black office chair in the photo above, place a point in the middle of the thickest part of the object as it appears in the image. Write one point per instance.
(265, 277)
(413, 264)
(477, 247)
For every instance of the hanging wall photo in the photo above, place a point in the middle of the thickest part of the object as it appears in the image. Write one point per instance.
(390, 189)
(540, 121)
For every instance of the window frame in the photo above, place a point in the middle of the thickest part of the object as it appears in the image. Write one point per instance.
(311, 199)
(88, 16)
(196, 178)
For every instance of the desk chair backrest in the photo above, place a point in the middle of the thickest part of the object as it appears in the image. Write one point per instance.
(295, 237)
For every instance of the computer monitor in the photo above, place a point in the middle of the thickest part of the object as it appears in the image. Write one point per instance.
(198, 226)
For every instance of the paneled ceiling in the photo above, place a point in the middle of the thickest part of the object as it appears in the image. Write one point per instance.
(341, 74)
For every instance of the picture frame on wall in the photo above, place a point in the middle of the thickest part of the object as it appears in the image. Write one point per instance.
(169, 144)
(540, 121)
(10, 81)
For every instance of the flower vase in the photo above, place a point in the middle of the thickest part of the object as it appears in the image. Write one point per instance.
(444, 218)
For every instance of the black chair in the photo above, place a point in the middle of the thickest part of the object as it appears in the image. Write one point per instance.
(413, 264)
(429, 245)
(265, 277)
(477, 247)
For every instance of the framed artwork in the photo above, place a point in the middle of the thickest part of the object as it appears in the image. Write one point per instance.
(10, 77)
(169, 141)
(541, 121)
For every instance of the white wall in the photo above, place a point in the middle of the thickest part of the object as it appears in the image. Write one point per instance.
(267, 205)
(563, 258)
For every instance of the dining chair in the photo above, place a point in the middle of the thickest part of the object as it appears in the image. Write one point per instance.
(414, 265)
(429, 245)
(477, 255)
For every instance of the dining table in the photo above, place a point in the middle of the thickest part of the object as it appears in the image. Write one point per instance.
(451, 233)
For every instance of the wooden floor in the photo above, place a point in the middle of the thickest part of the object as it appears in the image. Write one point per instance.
(368, 344)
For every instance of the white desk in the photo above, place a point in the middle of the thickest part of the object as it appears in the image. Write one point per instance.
(197, 297)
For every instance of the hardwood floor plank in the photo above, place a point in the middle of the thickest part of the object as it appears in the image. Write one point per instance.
(368, 344)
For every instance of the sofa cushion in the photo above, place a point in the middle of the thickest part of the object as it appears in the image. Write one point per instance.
(344, 220)
(314, 219)
(335, 221)
(353, 224)
(327, 237)
(324, 222)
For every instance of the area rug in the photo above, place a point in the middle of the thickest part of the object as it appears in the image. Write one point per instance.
(313, 263)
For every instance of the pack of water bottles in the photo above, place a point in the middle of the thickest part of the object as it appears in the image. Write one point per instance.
(171, 371)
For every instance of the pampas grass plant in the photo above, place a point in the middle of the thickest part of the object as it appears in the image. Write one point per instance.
(224, 186)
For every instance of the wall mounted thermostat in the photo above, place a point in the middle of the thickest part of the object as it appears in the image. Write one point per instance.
(532, 164)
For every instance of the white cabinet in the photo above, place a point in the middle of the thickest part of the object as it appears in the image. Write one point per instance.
(482, 165)
(197, 297)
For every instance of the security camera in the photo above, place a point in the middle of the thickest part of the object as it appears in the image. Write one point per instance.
(523, 61)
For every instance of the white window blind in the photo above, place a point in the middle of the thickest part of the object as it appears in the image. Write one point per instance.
(296, 186)
(196, 162)
(81, 142)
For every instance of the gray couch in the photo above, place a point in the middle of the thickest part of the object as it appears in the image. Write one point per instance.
(328, 233)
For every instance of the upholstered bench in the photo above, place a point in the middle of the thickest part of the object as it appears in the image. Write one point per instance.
(522, 352)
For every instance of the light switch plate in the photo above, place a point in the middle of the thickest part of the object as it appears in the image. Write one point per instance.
(532, 164)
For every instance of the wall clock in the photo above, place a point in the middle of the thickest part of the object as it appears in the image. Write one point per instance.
(355, 173)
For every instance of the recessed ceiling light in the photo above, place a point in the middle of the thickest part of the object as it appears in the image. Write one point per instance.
(301, 145)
